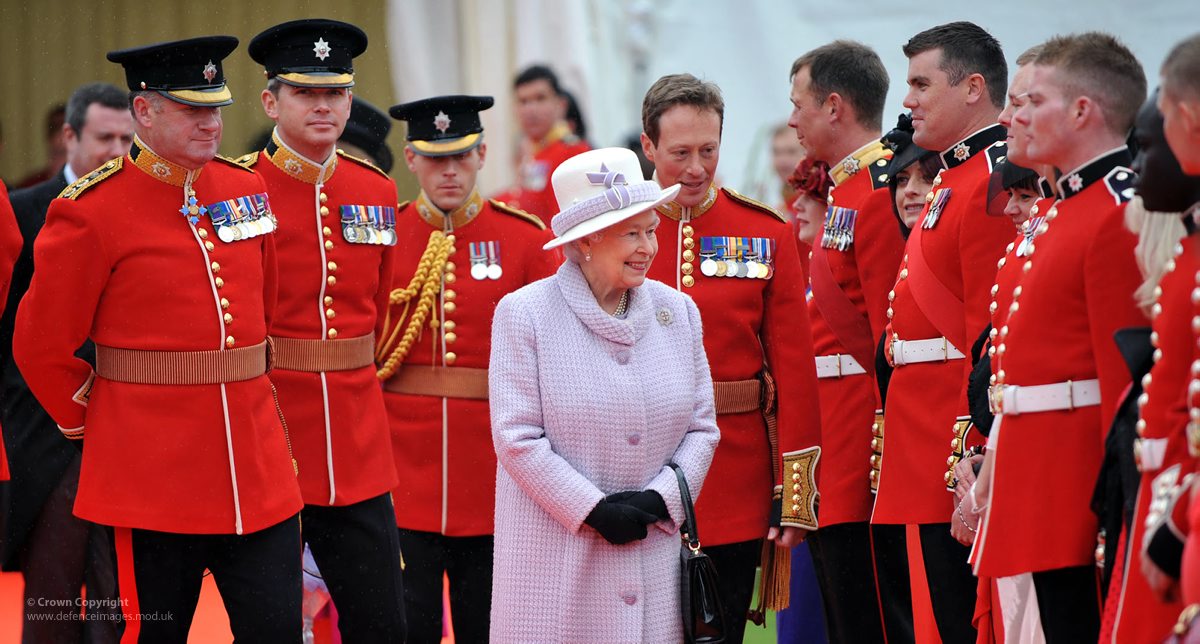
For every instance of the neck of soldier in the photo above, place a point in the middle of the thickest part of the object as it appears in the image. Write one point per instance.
(1087, 145)
(149, 140)
(318, 154)
(850, 138)
(980, 119)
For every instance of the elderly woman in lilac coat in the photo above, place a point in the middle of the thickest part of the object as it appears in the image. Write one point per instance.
(598, 380)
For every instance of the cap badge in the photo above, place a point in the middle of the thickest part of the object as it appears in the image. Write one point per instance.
(321, 49)
(441, 122)
(210, 71)
(961, 152)
(1075, 183)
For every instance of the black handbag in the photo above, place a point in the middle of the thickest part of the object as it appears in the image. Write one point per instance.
(703, 615)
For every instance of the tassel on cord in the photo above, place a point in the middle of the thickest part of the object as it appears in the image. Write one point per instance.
(774, 580)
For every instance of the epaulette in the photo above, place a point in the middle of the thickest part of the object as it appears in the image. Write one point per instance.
(231, 162)
(247, 160)
(92, 179)
(517, 212)
(364, 162)
(995, 154)
(1119, 182)
(753, 203)
(879, 172)
(402, 205)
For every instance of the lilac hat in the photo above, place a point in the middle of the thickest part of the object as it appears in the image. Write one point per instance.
(600, 188)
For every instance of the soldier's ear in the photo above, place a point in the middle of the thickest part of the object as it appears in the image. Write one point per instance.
(976, 87)
(482, 149)
(835, 105)
(270, 104)
(647, 147)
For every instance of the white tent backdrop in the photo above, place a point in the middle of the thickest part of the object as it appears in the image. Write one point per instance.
(608, 52)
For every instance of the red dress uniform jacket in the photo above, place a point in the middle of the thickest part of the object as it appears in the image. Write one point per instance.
(443, 445)
(1163, 448)
(1190, 570)
(960, 247)
(331, 290)
(10, 247)
(748, 323)
(1077, 292)
(861, 246)
(536, 194)
(126, 268)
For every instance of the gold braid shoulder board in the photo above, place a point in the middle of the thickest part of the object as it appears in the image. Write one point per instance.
(753, 203)
(518, 213)
(92, 179)
(398, 338)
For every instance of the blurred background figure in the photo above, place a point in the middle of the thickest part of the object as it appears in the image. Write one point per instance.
(56, 148)
(366, 134)
(786, 154)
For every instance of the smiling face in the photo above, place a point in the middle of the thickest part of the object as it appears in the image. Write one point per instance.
(1020, 202)
(938, 108)
(448, 180)
(911, 187)
(622, 254)
(183, 134)
(810, 119)
(1016, 99)
(309, 119)
(689, 145)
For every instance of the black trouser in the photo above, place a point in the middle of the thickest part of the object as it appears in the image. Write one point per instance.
(61, 554)
(952, 585)
(358, 553)
(895, 592)
(735, 564)
(467, 561)
(1069, 603)
(257, 574)
(845, 567)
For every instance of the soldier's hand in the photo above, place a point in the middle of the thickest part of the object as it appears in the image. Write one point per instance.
(964, 472)
(964, 523)
(787, 536)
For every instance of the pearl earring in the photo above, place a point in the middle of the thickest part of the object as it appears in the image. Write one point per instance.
(587, 257)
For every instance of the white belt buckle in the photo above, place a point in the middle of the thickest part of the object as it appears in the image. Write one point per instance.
(898, 352)
(1009, 398)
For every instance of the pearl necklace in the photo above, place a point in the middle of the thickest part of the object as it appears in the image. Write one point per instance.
(623, 305)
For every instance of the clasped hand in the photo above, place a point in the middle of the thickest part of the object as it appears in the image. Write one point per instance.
(622, 517)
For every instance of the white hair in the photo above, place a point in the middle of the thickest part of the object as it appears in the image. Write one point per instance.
(572, 251)
(1158, 235)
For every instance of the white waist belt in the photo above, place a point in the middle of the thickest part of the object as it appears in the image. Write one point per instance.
(931, 350)
(839, 365)
(1016, 400)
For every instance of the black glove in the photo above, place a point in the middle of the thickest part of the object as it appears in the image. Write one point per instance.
(619, 523)
(648, 501)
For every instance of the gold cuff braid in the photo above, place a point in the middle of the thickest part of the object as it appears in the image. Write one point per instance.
(958, 448)
(800, 477)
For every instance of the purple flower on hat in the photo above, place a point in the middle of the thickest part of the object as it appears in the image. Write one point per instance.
(617, 192)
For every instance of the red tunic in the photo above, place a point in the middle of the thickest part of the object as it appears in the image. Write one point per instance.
(443, 446)
(1076, 293)
(10, 247)
(863, 271)
(1141, 615)
(337, 419)
(747, 323)
(536, 194)
(131, 272)
(925, 400)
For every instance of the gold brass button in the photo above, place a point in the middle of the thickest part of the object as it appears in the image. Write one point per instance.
(328, 301)
(216, 267)
(228, 318)
(328, 245)
(688, 231)
(686, 268)
(326, 231)
(689, 255)
(331, 280)
(449, 307)
(332, 266)
(449, 295)
(331, 334)
(451, 337)
(688, 281)
(324, 197)
(450, 357)
(219, 282)
(449, 325)
(450, 267)
(450, 278)
(224, 303)
(330, 314)
(209, 246)
(324, 211)
(229, 342)
(688, 242)
(203, 233)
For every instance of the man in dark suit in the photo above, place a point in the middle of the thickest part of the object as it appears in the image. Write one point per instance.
(56, 551)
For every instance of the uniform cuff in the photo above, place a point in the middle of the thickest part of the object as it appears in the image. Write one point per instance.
(800, 488)
(957, 450)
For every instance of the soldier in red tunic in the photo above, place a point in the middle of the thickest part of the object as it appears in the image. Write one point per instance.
(335, 244)
(938, 306)
(464, 254)
(541, 113)
(10, 247)
(165, 259)
(1058, 371)
(838, 92)
(738, 260)
(1180, 103)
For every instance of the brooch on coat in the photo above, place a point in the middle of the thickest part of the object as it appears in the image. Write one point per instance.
(664, 316)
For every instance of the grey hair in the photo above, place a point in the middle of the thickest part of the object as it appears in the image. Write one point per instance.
(574, 253)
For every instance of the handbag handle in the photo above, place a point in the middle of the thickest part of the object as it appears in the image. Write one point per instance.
(688, 531)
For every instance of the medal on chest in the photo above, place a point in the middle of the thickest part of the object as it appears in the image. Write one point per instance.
(937, 205)
(838, 232)
(369, 225)
(745, 257)
(485, 260)
(242, 217)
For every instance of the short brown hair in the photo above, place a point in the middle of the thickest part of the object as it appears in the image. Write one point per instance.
(1099, 66)
(679, 89)
(966, 49)
(854, 71)
(1029, 55)
(1181, 70)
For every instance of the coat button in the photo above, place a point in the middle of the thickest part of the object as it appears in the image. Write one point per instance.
(629, 598)
(635, 439)
(623, 356)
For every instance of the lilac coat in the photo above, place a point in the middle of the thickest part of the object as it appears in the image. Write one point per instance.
(583, 405)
